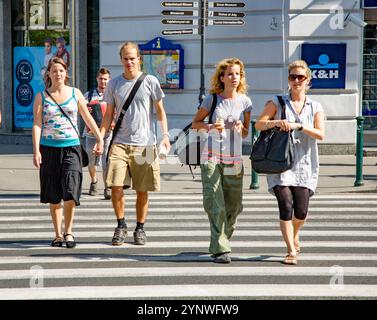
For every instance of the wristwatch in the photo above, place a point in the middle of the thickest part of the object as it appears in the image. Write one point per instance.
(301, 127)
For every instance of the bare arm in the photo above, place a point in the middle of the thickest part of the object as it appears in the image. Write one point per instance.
(107, 119)
(197, 122)
(318, 132)
(37, 130)
(264, 123)
(162, 120)
(243, 127)
(84, 112)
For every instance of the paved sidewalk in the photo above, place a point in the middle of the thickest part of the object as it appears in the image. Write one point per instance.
(337, 174)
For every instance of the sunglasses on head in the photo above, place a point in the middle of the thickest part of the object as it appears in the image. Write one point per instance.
(299, 77)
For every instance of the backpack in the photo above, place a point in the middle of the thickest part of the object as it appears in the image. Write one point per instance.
(190, 143)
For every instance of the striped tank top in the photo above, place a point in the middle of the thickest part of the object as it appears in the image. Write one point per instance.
(57, 131)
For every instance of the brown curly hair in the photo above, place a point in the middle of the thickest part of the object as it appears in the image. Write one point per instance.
(217, 86)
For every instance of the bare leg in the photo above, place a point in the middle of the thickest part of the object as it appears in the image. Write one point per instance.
(141, 206)
(57, 217)
(93, 173)
(69, 213)
(297, 225)
(117, 198)
(286, 228)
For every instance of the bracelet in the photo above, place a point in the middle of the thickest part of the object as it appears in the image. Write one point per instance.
(166, 134)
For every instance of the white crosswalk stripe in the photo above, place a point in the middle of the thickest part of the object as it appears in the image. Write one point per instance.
(340, 238)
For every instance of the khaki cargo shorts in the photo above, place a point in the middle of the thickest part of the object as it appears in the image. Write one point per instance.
(136, 164)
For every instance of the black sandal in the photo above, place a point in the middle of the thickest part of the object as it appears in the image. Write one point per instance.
(57, 242)
(69, 244)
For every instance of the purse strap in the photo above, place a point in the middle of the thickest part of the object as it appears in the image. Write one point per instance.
(62, 111)
(126, 105)
(212, 110)
(283, 107)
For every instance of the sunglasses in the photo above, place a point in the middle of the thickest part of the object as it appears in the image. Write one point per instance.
(299, 77)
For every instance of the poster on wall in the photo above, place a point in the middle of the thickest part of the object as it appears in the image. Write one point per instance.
(164, 60)
(29, 66)
(327, 61)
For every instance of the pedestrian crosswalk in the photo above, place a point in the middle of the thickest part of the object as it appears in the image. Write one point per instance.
(338, 258)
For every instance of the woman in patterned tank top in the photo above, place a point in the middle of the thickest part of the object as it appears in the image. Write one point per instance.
(57, 151)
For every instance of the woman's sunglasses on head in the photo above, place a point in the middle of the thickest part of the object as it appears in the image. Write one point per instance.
(299, 77)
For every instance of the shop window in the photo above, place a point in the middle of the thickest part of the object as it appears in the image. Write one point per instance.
(55, 12)
(36, 14)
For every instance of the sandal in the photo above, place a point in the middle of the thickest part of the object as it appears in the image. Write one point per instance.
(290, 259)
(297, 248)
(69, 244)
(57, 242)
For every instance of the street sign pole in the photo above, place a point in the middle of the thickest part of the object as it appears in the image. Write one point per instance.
(203, 18)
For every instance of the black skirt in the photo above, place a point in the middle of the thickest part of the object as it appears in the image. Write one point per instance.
(60, 174)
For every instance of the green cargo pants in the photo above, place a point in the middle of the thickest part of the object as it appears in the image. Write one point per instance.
(222, 200)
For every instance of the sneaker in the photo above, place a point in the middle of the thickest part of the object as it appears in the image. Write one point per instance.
(107, 193)
(119, 237)
(222, 258)
(140, 237)
(93, 189)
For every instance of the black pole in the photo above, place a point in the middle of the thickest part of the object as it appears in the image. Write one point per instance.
(203, 21)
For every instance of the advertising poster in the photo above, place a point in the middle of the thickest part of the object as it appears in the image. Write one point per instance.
(29, 65)
(164, 60)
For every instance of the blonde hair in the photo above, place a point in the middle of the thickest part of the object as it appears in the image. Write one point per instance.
(55, 60)
(303, 65)
(129, 44)
(217, 86)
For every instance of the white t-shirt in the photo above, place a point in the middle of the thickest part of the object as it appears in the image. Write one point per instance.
(137, 126)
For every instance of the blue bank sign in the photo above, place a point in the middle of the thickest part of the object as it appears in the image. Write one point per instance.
(370, 4)
(328, 64)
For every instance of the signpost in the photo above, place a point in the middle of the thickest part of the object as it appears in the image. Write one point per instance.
(180, 13)
(171, 32)
(218, 22)
(226, 14)
(225, 4)
(180, 4)
(176, 21)
(203, 13)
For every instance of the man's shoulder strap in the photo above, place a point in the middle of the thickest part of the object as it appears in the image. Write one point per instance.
(90, 94)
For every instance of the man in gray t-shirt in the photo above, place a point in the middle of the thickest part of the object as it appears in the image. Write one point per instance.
(133, 154)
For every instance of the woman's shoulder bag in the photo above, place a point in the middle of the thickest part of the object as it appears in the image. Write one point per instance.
(273, 151)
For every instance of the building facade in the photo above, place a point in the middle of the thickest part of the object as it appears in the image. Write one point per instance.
(272, 34)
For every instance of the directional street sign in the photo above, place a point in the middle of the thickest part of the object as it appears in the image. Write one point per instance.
(194, 13)
(226, 4)
(232, 22)
(176, 21)
(179, 32)
(226, 14)
(193, 4)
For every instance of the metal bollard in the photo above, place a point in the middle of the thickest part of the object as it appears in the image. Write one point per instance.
(359, 151)
(254, 176)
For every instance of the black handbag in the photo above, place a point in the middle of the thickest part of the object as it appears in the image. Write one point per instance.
(273, 151)
(84, 154)
(190, 143)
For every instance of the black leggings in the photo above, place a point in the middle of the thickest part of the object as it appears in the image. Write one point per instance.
(292, 199)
